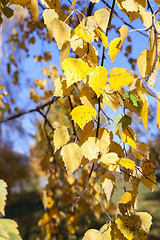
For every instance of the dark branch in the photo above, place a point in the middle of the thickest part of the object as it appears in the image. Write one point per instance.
(108, 26)
(129, 25)
(40, 107)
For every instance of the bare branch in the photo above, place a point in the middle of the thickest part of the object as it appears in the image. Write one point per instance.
(101, 205)
(86, 188)
(54, 99)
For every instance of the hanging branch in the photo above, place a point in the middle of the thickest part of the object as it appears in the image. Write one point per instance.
(40, 107)
(86, 188)
(101, 205)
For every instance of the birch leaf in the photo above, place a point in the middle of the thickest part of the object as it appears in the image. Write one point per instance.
(61, 137)
(92, 234)
(128, 225)
(127, 163)
(110, 161)
(90, 148)
(117, 43)
(75, 70)
(48, 16)
(84, 33)
(120, 77)
(103, 37)
(158, 112)
(3, 193)
(72, 156)
(98, 79)
(102, 17)
(108, 184)
(8, 230)
(145, 115)
(61, 31)
(149, 181)
(146, 220)
(83, 114)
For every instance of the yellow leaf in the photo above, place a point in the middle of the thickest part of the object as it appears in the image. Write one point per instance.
(114, 48)
(108, 183)
(105, 231)
(3, 193)
(32, 6)
(127, 197)
(144, 62)
(158, 112)
(72, 156)
(146, 17)
(92, 234)
(111, 98)
(90, 148)
(98, 79)
(145, 115)
(75, 70)
(61, 89)
(102, 17)
(128, 225)
(87, 96)
(110, 161)
(86, 132)
(61, 31)
(19, 2)
(61, 137)
(157, 1)
(33, 9)
(8, 228)
(146, 220)
(84, 33)
(127, 163)
(115, 147)
(149, 181)
(103, 37)
(117, 43)
(48, 16)
(83, 114)
(141, 151)
(129, 137)
(120, 77)
(65, 51)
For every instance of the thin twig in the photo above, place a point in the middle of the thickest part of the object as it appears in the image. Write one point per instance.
(101, 205)
(86, 188)
(108, 118)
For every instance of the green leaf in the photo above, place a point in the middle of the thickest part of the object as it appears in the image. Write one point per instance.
(121, 122)
(3, 193)
(8, 12)
(133, 99)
